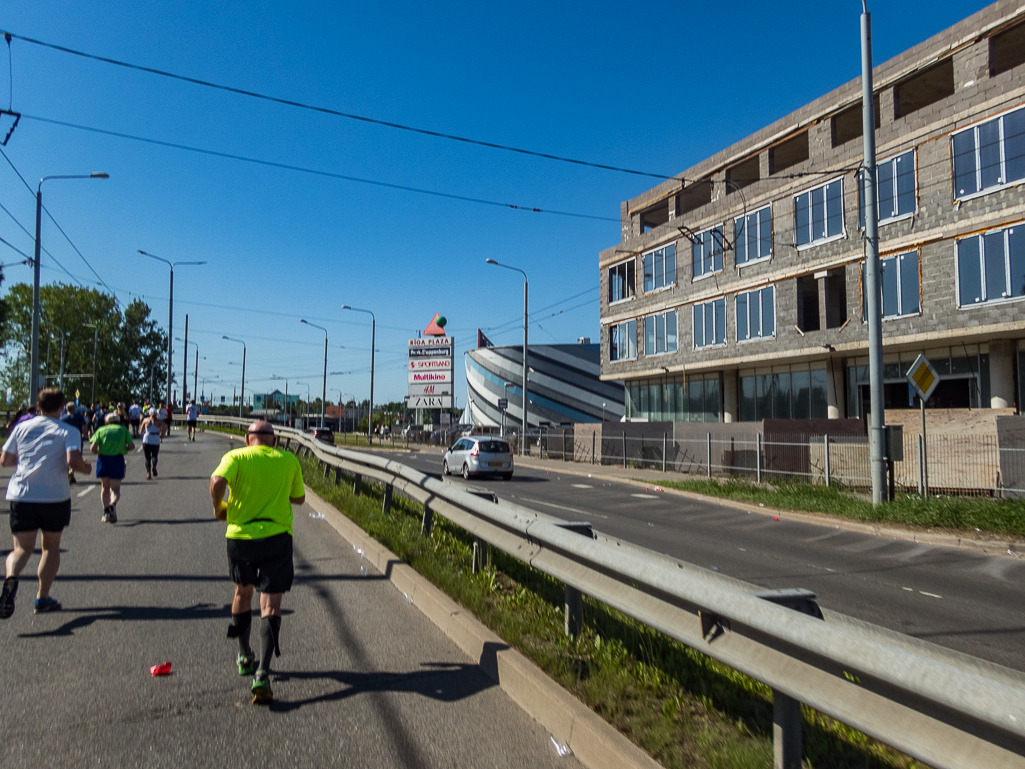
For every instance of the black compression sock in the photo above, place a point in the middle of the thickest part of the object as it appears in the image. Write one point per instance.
(270, 627)
(241, 625)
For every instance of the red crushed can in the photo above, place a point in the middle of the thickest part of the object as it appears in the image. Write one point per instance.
(163, 669)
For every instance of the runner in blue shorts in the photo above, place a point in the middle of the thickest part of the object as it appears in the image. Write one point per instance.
(111, 442)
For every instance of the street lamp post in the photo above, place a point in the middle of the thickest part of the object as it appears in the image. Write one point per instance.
(170, 315)
(323, 397)
(195, 368)
(33, 389)
(373, 334)
(96, 339)
(523, 438)
(285, 379)
(307, 400)
(242, 397)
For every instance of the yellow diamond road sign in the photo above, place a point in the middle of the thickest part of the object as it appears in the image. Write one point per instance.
(923, 377)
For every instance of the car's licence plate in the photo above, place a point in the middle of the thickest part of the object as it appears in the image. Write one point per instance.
(496, 464)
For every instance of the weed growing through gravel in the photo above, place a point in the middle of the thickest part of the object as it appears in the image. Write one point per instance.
(682, 707)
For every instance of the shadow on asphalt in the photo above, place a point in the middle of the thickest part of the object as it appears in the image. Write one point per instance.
(128, 523)
(199, 611)
(446, 682)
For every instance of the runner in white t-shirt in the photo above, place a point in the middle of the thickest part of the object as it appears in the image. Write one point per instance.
(135, 417)
(42, 449)
(191, 417)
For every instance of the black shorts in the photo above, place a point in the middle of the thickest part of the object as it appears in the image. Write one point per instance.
(266, 563)
(48, 516)
(192, 423)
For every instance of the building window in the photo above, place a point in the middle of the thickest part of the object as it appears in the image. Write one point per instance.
(818, 214)
(752, 236)
(710, 324)
(623, 341)
(899, 274)
(991, 266)
(789, 392)
(660, 268)
(674, 399)
(989, 155)
(895, 188)
(756, 314)
(621, 281)
(707, 252)
(660, 333)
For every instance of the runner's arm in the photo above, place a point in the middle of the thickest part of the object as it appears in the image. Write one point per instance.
(8, 459)
(75, 462)
(297, 500)
(218, 486)
(94, 448)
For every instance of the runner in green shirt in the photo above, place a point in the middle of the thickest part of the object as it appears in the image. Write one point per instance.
(263, 483)
(111, 442)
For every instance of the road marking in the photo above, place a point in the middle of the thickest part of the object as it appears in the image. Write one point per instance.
(645, 496)
(909, 589)
(931, 595)
(85, 491)
(138, 450)
(564, 507)
(582, 486)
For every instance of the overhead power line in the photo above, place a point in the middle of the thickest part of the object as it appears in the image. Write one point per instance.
(317, 172)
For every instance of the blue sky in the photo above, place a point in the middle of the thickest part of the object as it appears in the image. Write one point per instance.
(657, 87)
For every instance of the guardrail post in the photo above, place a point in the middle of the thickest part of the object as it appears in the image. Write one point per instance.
(663, 452)
(574, 611)
(758, 457)
(386, 502)
(786, 731)
(708, 452)
(357, 484)
(327, 470)
(338, 476)
(480, 554)
(825, 445)
(624, 448)
(428, 521)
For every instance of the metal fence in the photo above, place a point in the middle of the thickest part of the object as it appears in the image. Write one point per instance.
(943, 464)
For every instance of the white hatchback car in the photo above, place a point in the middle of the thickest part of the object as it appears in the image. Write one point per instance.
(479, 455)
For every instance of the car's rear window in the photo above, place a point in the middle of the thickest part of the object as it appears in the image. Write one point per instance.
(494, 447)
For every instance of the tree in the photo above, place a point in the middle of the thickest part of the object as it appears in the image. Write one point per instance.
(129, 346)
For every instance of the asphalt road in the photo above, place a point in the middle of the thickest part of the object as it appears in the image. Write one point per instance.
(957, 598)
(364, 679)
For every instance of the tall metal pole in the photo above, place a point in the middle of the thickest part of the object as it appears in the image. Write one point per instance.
(170, 337)
(33, 387)
(60, 374)
(526, 400)
(185, 363)
(242, 398)
(96, 341)
(873, 292)
(195, 373)
(370, 416)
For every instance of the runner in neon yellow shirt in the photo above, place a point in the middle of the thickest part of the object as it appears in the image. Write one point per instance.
(263, 483)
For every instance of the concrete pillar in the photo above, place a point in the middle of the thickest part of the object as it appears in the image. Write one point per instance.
(729, 397)
(1001, 374)
(834, 390)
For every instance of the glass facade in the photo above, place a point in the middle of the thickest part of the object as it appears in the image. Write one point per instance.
(673, 399)
(895, 187)
(790, 392)
(964, 381)
(818, 214)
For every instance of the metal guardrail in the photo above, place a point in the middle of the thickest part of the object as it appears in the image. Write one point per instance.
(947, 709)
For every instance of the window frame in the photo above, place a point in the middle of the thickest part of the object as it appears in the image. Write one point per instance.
(665, 332)
(665, 275)
(892, 159)
(758, 238)
(843, 214)
(721, 253)
(975, 128)
(714, 303)
(736, 312)
(623, 264)
(980, 238)
(897, 257)
(619, 328)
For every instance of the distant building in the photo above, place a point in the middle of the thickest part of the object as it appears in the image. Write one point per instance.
(273, 400)
(563, 386)
(736, 292)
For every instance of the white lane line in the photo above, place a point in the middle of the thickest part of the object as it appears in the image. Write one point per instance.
(138, 450)
(85, 491)
(583, 486)
(645, 496)
(564, 507)
(931, 595)
(909, 589)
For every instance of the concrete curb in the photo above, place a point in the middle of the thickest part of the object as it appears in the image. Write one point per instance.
(594, 742)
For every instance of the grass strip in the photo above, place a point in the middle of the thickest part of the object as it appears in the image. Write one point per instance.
(681, 706)
(958, 515)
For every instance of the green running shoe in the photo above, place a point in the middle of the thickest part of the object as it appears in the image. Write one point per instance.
(262, 694)
(246, 665)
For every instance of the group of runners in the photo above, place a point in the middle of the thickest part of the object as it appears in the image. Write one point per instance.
(252, 490)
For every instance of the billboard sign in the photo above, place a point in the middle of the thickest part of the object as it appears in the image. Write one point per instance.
(430, 368)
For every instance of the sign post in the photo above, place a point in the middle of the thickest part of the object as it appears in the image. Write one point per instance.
(923, 380)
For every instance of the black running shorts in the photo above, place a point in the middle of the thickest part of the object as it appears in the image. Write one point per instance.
(266, 563)
(48, 516)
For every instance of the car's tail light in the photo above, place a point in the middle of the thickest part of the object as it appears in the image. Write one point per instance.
(475, 451)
